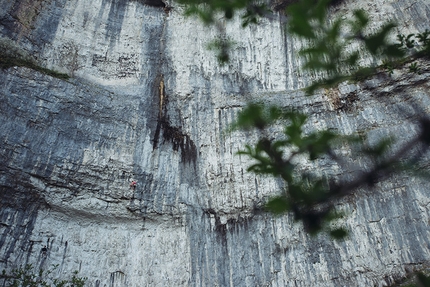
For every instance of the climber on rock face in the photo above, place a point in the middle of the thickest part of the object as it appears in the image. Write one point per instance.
(133, 184)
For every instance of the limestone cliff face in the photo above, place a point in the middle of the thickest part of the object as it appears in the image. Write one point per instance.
(147, 101)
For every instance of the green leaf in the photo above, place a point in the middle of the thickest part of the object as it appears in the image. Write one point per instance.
(423, 279)
(338, 233)
(423, 38)
(251, 117)
(248, 151)
(319, 11)
(353, 58)
(380, 148)
(377, 41)
(278, 205)
(361, 17)
(300, 19)
(229, 12)
(410, 43)
(393, 51)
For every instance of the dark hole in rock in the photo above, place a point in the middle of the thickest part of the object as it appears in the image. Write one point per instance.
(153, 3)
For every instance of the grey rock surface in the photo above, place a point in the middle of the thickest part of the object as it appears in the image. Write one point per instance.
(147, 101)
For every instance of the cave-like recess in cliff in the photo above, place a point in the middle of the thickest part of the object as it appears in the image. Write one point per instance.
(153, 3)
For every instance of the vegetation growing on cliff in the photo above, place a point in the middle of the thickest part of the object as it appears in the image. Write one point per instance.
(12, 56)
(28, 276)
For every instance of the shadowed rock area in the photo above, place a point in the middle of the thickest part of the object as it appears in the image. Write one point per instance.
(146, 101)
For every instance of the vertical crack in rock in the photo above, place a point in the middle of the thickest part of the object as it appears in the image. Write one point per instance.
(116, 17)
(118, 278)
(223, 259)
(180, 141)
(227, 252)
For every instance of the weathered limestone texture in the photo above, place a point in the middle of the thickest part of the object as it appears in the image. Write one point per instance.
(147, 101)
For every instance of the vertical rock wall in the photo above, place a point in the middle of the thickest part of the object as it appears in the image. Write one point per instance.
(147, 101)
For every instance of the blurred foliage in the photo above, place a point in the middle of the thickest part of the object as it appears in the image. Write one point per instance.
(308, 194)
(423, 280)
(215, 12)
(28, 276)
(221, 47)
(334, 49)
(418, 279)
(209, 10)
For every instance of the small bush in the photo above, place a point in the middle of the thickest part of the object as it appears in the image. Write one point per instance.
(13, 56)
(29, 277)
